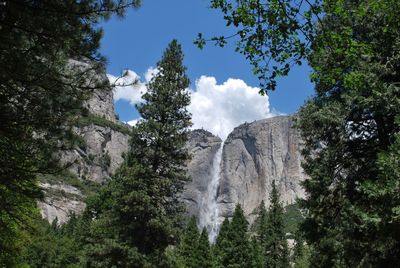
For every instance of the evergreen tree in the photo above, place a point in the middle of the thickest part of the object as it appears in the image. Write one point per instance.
(222, 243)
(144, 211)
(349, 126)
(260, 225)
(41, 88)
(54, 245)
(188, 244)
(298, 250)
(233, 245)
(270, 232)
(257, 258)
(203, 252)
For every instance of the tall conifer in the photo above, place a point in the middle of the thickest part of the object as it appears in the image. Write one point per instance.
(270, 232)
(145, 211)
(203, 252)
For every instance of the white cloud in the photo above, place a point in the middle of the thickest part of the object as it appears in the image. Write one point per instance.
(129, 86)
(133, 122)
(218, 108)
(150, 73)
(221, 108)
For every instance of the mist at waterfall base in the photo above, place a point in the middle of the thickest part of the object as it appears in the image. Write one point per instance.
(209, 212)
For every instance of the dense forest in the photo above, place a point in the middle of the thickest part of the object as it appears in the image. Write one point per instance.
(350, 216)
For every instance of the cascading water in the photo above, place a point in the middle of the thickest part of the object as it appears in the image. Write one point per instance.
(209, 212)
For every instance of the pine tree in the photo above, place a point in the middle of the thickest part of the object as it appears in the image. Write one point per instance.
(203, 252)
(347, 127)
(144, 213)
(41, 89)
(270, 232)
(233, 245)
(260, 224)
(222, 243)
(186, 250)
(257, 258)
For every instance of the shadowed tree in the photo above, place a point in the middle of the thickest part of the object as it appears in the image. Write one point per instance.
(42, 87)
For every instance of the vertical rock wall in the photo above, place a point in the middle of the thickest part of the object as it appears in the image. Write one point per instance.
(254, 155)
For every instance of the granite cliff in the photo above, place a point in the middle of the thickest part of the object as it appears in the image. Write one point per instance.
(101, 143)
(253, 155)
(239, 170)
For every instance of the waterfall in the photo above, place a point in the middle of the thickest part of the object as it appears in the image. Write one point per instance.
(209, 211)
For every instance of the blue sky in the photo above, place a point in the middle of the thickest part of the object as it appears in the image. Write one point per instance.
(137, 42)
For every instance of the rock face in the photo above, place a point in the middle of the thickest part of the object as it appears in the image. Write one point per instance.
(254, 155)
(202, 146)
(101, 154)
(102, 103)
(61, 200)
(103, 143)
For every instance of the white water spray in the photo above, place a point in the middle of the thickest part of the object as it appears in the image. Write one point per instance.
(209, 212)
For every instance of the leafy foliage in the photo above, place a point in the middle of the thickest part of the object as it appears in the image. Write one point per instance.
(54, 245)
(349, 129)
(349, 126)
(274, 35)
(189, 241)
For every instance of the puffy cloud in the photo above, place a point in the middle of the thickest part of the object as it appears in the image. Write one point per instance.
(129, 86)
(219, 108)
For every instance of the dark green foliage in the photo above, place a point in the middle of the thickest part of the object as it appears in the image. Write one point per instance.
(40, 89)
(261, 223)
(298, 250)
(203, 252)
(222, 243)
(193, 250)
(54, 245)
(270, 232)
(292, 219)
(233, 248)
(303, 260)
(257, 257)
(139, 214)
(349, 128)
(186, 249)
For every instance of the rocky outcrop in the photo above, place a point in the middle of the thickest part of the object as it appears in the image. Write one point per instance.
(101, 144)
(61, 200)
(94, 77)
(253, 156)
(100, 155)
(101, 103)
(202, 146)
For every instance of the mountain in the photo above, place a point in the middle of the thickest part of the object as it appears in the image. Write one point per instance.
(239, 170)
(253, 155)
